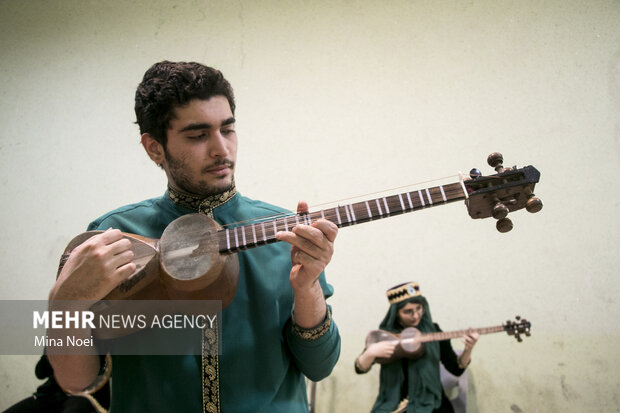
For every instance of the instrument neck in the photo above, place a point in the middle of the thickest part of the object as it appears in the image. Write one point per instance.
(439, 336)
(264, 232)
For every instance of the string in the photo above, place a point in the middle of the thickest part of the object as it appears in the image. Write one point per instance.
(287, 214)
(237, 238)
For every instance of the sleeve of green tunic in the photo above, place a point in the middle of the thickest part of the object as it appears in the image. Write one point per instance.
(315, 351)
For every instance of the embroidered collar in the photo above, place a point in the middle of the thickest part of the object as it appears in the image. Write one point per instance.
(203, 205)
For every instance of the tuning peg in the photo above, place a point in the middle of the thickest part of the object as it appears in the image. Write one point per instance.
(504, 225)
(533, 204)
(495, 160)
(499, 211)
(475, 173)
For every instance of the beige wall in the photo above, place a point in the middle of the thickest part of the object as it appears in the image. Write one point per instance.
(337, 99)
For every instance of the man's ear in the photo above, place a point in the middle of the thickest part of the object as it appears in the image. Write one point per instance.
(154, 149)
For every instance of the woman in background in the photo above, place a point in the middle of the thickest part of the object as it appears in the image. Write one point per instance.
(413, 385)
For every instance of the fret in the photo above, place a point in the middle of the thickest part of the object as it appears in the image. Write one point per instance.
(369, 212)
(254, 234)
(402, 204)
(329, 215)
(359, 213)
(352, 213)
(262, 225)
(394, 205)
(285, 224)
(421, 198)
(436, 194)
(244, 242)
(462, 183)
(338, 215)
(346, 217)
(409, 199)
(379, 207)
(346, 210)
(428, 194)
(443, 194)
(236, 238)
(275, 229)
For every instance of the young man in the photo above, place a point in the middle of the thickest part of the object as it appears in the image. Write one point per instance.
(276, 330)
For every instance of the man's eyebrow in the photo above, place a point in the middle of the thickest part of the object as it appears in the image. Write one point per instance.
(204, 125)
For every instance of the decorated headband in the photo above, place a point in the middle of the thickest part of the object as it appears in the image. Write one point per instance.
(402, 292)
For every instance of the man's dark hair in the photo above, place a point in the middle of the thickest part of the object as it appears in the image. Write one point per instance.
(168, 85)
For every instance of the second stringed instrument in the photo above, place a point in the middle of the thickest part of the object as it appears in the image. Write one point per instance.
(195, 257)
(409, 341)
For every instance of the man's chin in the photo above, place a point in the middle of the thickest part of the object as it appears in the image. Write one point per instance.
(218, 187)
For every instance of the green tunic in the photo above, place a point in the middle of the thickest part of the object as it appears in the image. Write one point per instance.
(263, 362)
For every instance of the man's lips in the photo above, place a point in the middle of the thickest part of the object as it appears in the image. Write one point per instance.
(219, 169)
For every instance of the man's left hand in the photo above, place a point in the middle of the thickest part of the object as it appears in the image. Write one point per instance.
(312, 247)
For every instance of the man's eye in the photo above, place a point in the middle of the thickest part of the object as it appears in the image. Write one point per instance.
(228, 131)
(198, 137)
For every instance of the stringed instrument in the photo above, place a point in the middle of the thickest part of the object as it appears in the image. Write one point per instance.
(409, 343)
(195, 257)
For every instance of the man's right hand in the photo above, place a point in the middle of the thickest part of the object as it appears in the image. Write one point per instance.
(94, 268)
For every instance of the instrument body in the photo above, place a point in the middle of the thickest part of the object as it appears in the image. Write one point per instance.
(408, 344)
(182, 265)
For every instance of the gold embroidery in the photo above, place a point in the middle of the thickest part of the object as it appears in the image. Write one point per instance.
(203, 205)
(210, 371)
(312, 334)
(210, 343)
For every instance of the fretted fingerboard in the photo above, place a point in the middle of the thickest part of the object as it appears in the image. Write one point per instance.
(425, 338)
(264, 232)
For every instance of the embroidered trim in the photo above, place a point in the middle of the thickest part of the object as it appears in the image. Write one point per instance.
(403, 292)
(210, 371)
(312, 334)
(203, 205)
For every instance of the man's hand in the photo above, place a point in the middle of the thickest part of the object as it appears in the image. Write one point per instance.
(312, 247)
(95, 267)
(92, 270)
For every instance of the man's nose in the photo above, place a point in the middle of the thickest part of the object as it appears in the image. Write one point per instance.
(218, 146)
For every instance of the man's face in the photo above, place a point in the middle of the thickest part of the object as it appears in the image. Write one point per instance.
(201, 150)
